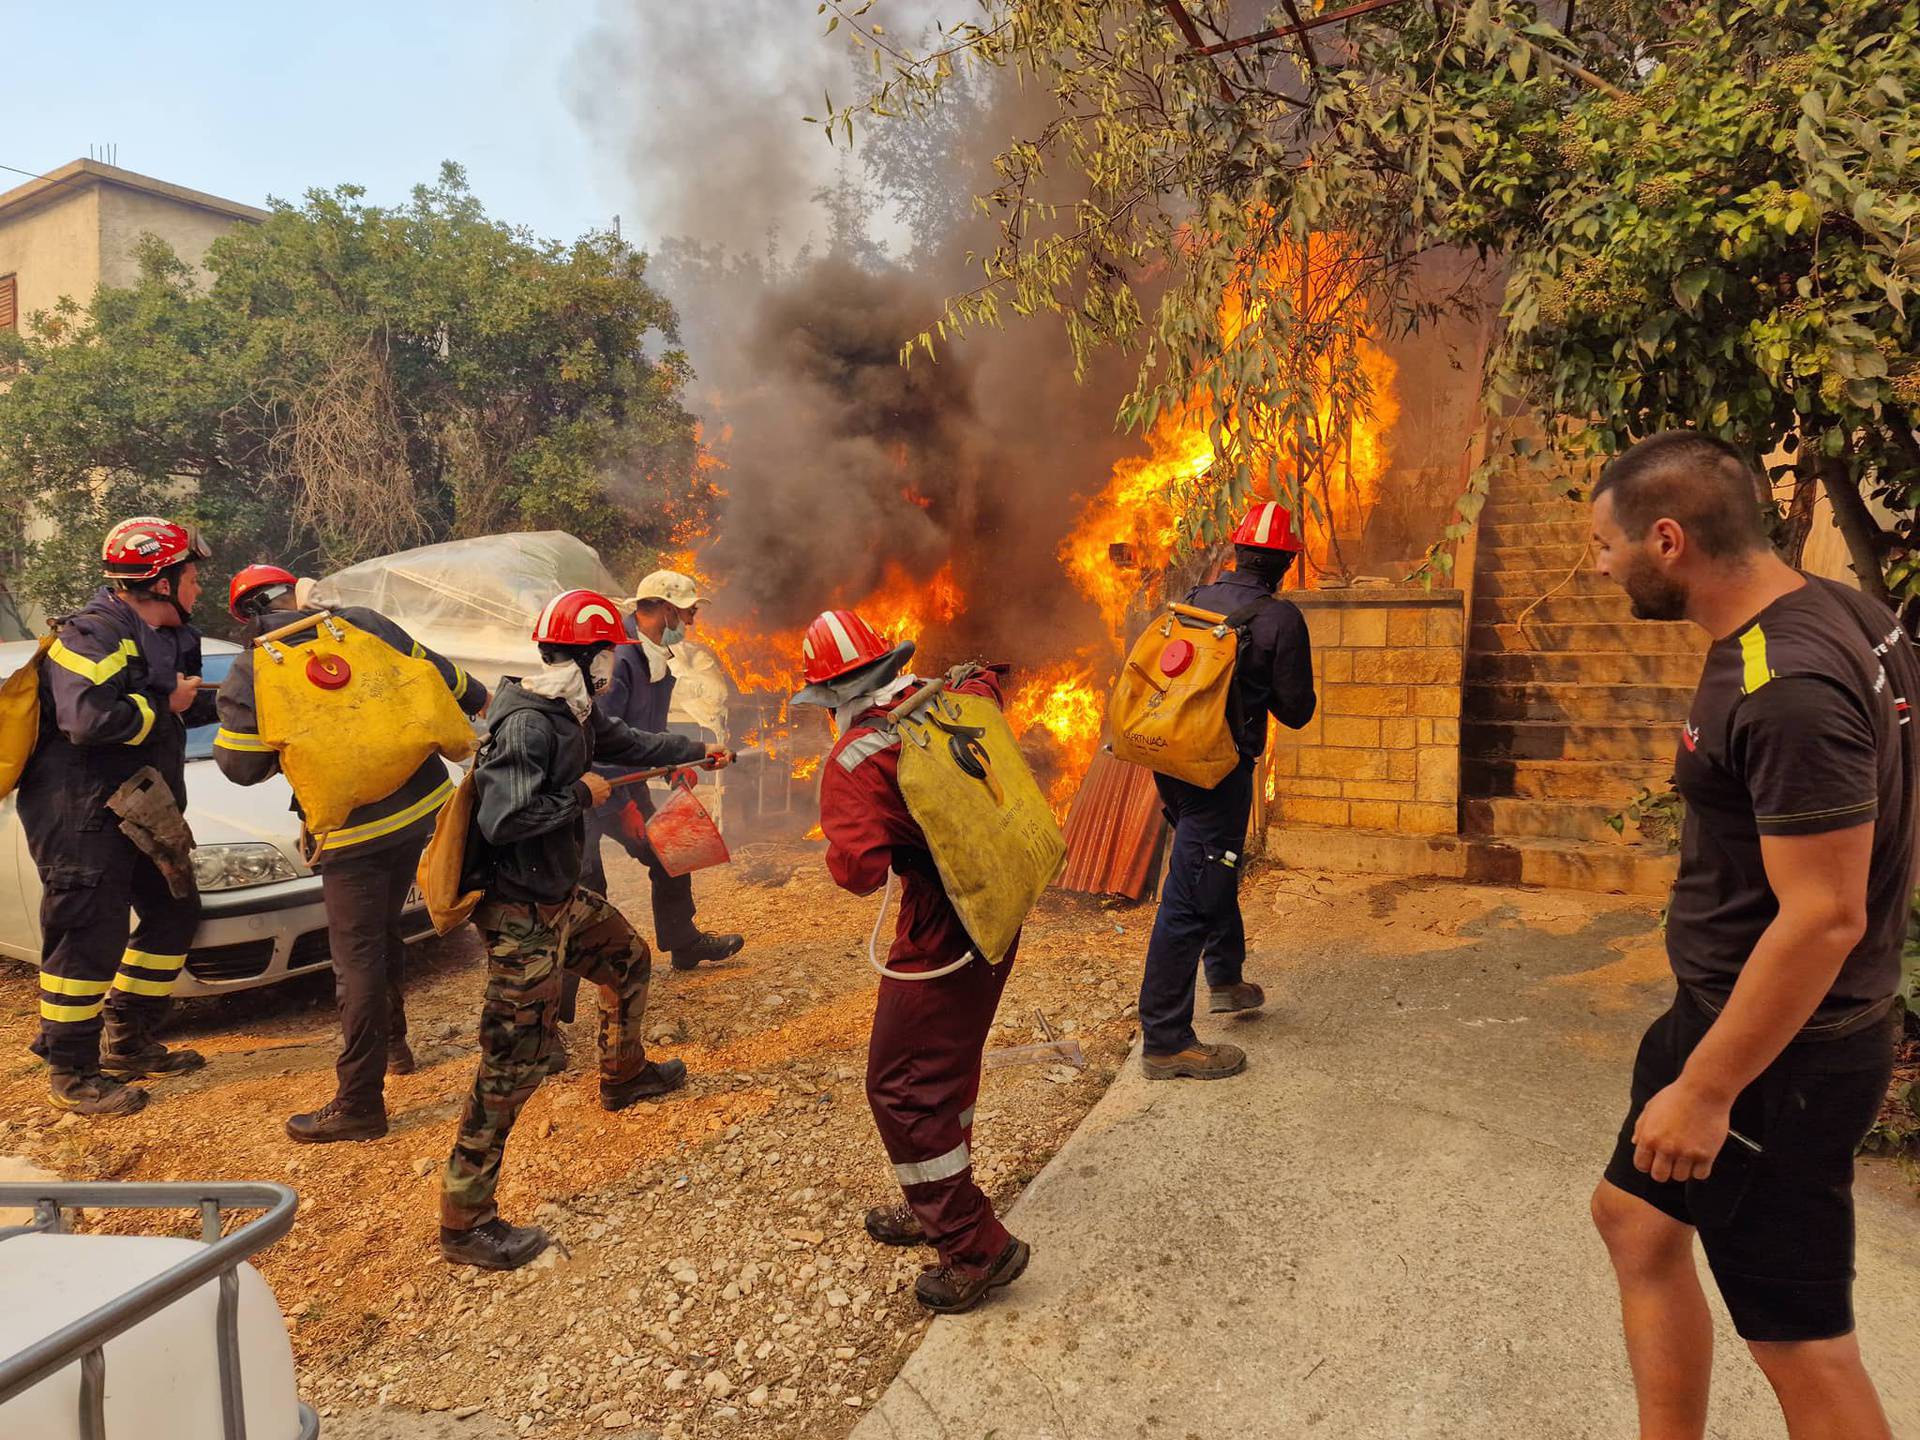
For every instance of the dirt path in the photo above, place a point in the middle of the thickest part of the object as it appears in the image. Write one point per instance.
(715, 1279)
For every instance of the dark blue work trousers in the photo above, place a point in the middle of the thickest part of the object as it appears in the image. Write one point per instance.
(1200, 905)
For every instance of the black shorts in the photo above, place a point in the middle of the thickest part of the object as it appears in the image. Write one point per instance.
(1777, 1226)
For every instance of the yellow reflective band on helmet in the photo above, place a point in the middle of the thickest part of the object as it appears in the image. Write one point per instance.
(399, 820)
(146, 719)
(1753, 651)
(97, 671)
(246, 740)
(133, 985)
(68, 985)
(70, 1014)
(146, 960)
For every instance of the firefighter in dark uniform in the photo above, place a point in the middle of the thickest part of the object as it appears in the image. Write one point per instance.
(366, 866)
(924, 1057)
(1199, 919)
(640, 694)
(118, 690)
(533, 783)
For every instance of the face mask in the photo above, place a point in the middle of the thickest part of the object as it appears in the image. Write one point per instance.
(673, 635)
(601, 671)
(562, 680)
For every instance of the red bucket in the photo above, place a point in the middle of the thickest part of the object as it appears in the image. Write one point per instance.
(683, 834)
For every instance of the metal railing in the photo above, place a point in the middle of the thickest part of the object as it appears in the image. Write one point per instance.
(85, 1339)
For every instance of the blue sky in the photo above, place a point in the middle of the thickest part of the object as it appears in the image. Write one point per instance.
(247, 100)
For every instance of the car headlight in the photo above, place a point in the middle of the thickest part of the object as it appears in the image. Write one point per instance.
(233, 867)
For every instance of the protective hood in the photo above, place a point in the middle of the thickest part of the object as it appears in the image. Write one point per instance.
(838, 694)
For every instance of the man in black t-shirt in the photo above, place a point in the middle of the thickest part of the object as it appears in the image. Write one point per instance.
(1750, 1095)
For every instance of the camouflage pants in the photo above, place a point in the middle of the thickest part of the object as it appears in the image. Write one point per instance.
(527, 950)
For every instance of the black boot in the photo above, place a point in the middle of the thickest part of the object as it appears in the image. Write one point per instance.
(495, 1245)
(653, 1080)
(400, 1057)
(89, 1092)
(709, 948)
(130, 1051)
(338, 1120)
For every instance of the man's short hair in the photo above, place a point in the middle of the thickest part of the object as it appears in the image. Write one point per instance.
(1702, 483)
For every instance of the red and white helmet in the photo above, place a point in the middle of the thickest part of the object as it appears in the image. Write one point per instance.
(842, 656)
(140, 548)
(250, 581)
(838, 643)
(1269, 526)
(581, 617)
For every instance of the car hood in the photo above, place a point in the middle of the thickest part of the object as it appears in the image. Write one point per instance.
(223, 813)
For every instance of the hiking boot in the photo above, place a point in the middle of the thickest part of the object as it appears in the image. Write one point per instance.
(1196, 1062)
(1231, 999)
(709, 948)
(495, 1245)
(652, 1081)
(400, 1058)
(949, 1289)
(338, 1120)
(93, 1093)
(895, 1225)
(148, 1057)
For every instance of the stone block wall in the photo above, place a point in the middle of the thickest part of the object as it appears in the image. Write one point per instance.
(1383, 751)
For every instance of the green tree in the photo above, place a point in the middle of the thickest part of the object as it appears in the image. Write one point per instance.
(350, 380)
(1701, 215)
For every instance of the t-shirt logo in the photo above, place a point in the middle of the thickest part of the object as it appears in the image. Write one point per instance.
(1690, 735)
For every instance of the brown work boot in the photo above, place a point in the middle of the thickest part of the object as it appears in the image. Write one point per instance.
(653, 1081)
(495, 1245)
(1231, 999)
(92, 1093)
(338, 1120)
(895, 1225)
(400, 1058)
(950, 1289)
(148, 1057)
(1196, 1062)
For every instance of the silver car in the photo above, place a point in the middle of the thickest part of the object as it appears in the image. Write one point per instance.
(262, 918)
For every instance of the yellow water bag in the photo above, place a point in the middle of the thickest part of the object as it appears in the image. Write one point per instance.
(351, 717)
(20, 717)
(1171, 708)
(991, 832)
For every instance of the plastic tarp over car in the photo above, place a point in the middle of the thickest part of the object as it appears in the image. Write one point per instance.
(475, 601)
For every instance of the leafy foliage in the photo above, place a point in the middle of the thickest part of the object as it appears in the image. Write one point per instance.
(1702, 216)
(347, 380)
(1656, 815)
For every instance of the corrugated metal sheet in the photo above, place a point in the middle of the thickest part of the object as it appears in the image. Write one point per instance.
(1113, 830)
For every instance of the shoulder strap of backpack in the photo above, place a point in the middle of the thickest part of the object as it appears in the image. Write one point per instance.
(1244, 616)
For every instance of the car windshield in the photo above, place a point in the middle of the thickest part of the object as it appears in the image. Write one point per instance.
(213, 669)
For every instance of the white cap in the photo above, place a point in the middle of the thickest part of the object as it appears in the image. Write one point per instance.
(671, 586)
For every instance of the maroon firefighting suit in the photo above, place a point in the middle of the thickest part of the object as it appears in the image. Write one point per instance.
(923, 1062)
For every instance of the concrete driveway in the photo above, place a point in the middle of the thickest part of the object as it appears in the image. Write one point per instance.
(1379, 1230)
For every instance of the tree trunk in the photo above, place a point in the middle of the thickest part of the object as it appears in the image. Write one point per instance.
(1857, 526)
(1799, 522)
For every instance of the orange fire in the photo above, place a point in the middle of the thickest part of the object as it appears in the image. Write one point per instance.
(1063, 703)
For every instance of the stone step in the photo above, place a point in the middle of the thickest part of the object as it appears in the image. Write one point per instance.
(1633, 636)
(1568, 740)
(1573, 530)
(1532, 584)
(1555, 560)
(1532, 510)
(1599, 667)
(1562, 609)
(1586, 704)
(1558, 864)
(1606, 782)
(1516, 819)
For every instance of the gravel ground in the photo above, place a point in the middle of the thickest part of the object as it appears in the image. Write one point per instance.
(713, 1278)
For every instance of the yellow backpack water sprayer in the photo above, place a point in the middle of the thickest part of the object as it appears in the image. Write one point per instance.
(351, 717)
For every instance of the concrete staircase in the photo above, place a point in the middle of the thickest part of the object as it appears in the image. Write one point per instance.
(1565, 717)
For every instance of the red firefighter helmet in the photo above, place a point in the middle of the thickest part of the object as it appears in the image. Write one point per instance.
(252, 579)
(140, 548)
(839, 643)
(581, 617)
(1269, 526)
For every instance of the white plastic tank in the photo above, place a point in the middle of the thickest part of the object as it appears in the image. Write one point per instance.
(163, 1376)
